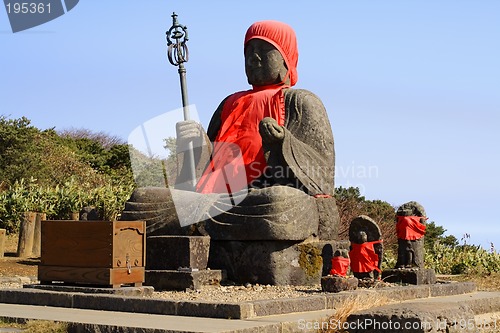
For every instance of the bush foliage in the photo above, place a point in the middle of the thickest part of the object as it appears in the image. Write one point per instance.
(60, 173)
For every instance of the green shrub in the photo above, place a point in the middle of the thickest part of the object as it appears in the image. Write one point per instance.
(462, 259)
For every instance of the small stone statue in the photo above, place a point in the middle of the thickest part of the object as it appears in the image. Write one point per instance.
(340, 263)
(366, 248)
(410, 227)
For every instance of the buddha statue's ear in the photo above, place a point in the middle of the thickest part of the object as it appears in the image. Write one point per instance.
(284, 74)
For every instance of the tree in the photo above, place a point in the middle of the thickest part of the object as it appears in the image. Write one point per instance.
(435, 233)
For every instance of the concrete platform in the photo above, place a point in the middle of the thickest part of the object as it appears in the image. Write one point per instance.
(242, 310)
(479, 308)
(473, 312)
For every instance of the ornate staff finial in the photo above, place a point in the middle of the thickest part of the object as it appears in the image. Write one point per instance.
(177, 50)
(178, 54)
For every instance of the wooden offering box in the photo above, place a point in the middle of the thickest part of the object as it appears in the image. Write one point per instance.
(93, 252)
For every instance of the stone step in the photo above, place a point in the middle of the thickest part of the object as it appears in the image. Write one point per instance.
(242, 310)
(312, 321)
(456, 313)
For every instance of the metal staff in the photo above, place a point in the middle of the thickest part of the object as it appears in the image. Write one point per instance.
(178, 54)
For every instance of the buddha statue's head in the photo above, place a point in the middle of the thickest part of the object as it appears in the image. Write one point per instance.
(264, 64)
(271, 54)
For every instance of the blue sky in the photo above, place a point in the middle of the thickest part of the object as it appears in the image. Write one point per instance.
(412, 88)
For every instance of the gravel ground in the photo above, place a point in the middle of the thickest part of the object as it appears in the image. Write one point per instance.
(234, 294)
(223, 294)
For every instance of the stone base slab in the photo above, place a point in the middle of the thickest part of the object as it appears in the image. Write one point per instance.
(241, 310)
(178, 280)
(335, 284)
(125, 291)
(409, 276)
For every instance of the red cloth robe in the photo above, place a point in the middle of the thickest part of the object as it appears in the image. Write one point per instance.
(238, 157)
(410, 228)
(363, 257)
(340, 266)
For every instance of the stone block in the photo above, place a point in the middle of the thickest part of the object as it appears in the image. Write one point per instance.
(402, 293)
(452, 288)
(124, 304)
(335, 284)
(271, 262)
(172, 252)
(179, 280)
(214, 310)
(409, 276)
(124, 291)
(289, 305)
(36, 297)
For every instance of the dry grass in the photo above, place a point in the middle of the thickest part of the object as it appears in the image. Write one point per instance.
(37, 326)
(484, 282)
(333, 324)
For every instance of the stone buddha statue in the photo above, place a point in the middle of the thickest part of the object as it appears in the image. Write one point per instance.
(285, 163)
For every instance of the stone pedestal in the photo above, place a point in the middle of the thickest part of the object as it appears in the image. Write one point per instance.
(335, 284)
(273, 262)
(179, 263)
(409, 276)
(172, 252)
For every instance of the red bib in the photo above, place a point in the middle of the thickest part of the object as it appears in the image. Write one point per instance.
(340, 266)
(238, 157)
(363, 257)
(410, 228)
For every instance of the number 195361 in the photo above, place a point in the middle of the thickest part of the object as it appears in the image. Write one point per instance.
(27, 8)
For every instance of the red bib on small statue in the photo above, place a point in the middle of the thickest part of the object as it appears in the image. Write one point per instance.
(410, 228)
(340, 266)
(363, 257)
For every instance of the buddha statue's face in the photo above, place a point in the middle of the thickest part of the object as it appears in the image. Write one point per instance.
(264, 64)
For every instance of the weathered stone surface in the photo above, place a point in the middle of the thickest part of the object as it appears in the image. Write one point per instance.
(335, 284)
(452, 288)
(175, 280)
(271, 262)
(480, 302)
(411, 253)
(273, 213)
(289, 305)
(172, 252)
(410, 276)
(437, 314)
(124, 291)
(37, 297)
(124, 304)
(364, 224)
(214, 310)
(364, 230)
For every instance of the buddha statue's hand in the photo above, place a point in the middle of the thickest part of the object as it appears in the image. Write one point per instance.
(188, 131)
(270, 131)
